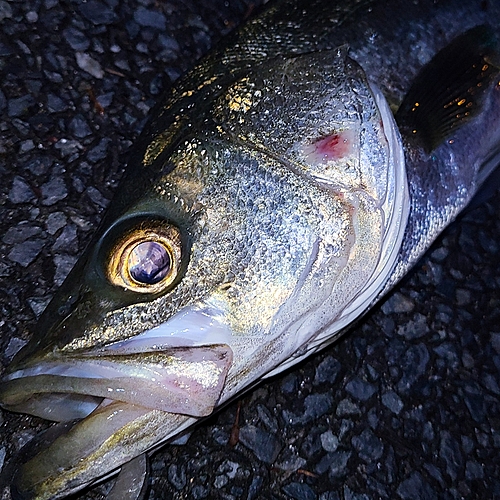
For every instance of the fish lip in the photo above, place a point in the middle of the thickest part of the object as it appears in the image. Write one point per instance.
(179, 366)
(187, 380)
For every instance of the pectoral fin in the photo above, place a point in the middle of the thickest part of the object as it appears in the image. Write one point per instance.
(450, 90)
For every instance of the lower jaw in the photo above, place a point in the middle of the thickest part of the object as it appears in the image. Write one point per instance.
(93, 448)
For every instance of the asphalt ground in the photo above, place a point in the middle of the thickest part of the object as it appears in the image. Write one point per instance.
(405, 406)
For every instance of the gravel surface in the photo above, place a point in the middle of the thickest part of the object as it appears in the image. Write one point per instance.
(406, 406)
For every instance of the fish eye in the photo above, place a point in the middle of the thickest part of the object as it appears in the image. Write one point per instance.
(147, 258)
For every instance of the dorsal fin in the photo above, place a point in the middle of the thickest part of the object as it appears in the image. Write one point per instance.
(450, 88)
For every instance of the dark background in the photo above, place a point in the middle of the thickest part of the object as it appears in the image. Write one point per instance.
(406, 406)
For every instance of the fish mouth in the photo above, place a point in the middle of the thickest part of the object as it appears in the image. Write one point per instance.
(164, 369)
(127, 398)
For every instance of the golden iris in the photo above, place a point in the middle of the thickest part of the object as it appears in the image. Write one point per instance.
(146, 259)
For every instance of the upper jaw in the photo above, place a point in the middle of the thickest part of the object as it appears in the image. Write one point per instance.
(172, 368)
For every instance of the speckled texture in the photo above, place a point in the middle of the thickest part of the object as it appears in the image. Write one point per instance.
(406, 406)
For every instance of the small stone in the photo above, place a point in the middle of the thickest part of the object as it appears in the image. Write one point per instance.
(53, 191)
(327, 371)
(150, 18)
(414, 365)
(415, 328)
(76, 39)
(299, 491)
(415, 488)
(360, 389)
(398, 303)
(68, 147)
(20, 192)
(220, 481)
(291, 463)
(55, 221)
(329, 441)
(338, 465)
(26, 146)
(473, 470)
(38, 304)
(495, 341)
(255, 488)
(289, 384)
(25, 253)
(96, 197)
(20, 233)
(89, 65)
(100, 151)
(368, 446)
(78, 127)
(5, 11)
(97, 12)
(20, 106)
(3, 100)
(67, 240)
(449, 451)
(317, 405)
(13, 347)
(265, 446)
(393, 402)
(31, 16)
(40, 166)
(64, 263)
(347, 407)
(177, 476)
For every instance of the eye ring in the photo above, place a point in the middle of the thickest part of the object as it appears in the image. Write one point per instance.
(146, 259)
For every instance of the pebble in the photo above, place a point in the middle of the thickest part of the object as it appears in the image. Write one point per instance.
(21, 233)
(89, 64)
(393, 402)
(96, 197)
(25, 253)
(20, 106)
(67, 241)
(53, 191)
(414, 364)
(100, 151)
(76, 39)
(415, 328)
(347, 407)
(299, 491)
(449, 451)
(55, 221)
(78, 127)
(360, 389)
(398, 303)
(97, 12)
(5, 10)
(176, 474)
(265, 445)
(329, 441)
(415, 488)
(327, 371)
(316, 405)
(368, 446)
(255, 488)
(338, 463)
(150, 18)
(64, 263)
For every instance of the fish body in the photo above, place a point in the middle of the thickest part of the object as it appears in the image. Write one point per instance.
(276, 200)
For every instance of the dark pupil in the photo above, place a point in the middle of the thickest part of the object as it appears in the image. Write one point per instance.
(149, 262)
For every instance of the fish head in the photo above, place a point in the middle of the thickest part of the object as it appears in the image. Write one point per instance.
(233, 249)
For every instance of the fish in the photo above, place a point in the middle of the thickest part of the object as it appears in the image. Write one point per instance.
(233, 117)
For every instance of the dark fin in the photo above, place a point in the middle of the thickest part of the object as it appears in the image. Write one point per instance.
(450, 89)
(131, 483)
